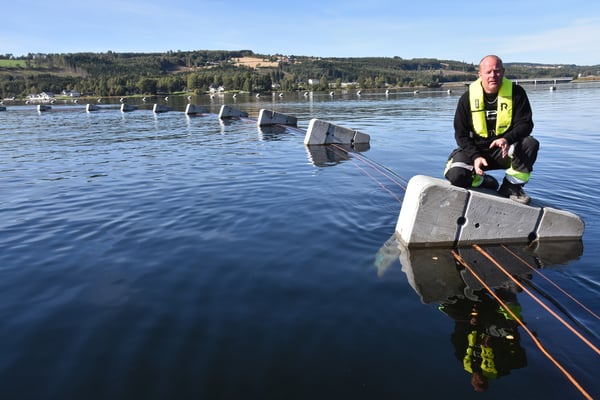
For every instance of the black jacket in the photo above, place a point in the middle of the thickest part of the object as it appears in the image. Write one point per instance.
(475, 146)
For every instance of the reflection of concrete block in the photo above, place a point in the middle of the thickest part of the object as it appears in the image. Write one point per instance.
(437, 213)
(433, 273)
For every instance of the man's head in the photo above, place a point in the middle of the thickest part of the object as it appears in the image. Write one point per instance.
(479, 382)
(491, 72)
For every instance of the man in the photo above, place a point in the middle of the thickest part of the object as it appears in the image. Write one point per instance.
(492, 128)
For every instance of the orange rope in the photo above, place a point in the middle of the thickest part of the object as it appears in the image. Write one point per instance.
(346, 153)
(555, 315)
(551, 282)
(520, 322)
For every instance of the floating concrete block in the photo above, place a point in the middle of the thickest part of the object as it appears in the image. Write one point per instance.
(321, 132)
(436, 213)
(159, 108)
(91, 107)
(559, 224)
(128, 108)
(192, 109)
(43, 107)
(489, 217)
(430, 212)
(267, 117)
(2, 108)
(230, 112)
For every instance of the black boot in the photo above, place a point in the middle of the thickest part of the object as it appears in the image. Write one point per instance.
(514, 192)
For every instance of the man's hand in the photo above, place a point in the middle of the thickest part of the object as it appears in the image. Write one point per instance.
(502, 143)
(478, 163)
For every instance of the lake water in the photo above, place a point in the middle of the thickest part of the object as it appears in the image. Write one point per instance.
(159, 256)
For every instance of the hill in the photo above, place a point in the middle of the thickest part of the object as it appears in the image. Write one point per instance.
(122, 74)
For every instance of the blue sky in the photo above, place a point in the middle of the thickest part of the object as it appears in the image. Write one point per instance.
(550, 32)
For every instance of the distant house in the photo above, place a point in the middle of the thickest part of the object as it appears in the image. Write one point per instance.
(214, 89)
(71, 93)
(44, 96)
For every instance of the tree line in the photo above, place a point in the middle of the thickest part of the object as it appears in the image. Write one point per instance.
(126, 74)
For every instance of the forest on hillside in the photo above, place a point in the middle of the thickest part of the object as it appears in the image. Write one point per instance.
(128, 74)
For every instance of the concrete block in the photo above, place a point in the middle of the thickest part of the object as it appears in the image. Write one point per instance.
(230, 112)
(361, 138)
(192, 109)
(43, 107)
(489, 218)
(431, 211)
(321, 132)
(436, 213)
(91, 107)
(559, 224)
(159, 108)
(268, 117)
(127, 107)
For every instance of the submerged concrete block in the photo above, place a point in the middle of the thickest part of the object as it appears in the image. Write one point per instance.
(127, 107)
(191, 109)
(321, 132)
(268, 117)
(436, 213)
(159, 108)
(91, 107)
(230, 112)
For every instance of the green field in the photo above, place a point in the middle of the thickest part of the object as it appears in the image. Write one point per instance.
(12, 64)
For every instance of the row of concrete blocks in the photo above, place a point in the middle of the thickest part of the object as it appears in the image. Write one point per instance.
(319, 132)
(436, 213)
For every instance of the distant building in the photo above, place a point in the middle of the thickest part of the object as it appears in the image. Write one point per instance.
(71, 93)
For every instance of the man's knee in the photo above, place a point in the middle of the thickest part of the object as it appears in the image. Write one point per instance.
(530, 144)
(526, 152)
(460, 177)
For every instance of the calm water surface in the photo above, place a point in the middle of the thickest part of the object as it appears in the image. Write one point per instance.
(160, 256)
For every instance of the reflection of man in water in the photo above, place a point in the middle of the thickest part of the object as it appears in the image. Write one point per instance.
(486, 336)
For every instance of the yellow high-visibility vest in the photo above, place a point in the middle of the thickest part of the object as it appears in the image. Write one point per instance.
(503, 107)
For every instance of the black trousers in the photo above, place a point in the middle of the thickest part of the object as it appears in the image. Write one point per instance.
(460, 170)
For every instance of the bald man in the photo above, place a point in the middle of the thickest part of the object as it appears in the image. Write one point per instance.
(492, 127)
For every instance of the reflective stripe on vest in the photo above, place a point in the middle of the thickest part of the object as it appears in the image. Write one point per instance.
(504, 107)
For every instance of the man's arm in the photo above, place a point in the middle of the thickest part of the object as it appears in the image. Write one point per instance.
(463, 127)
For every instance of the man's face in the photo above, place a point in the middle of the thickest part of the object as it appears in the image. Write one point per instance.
(491, 72)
